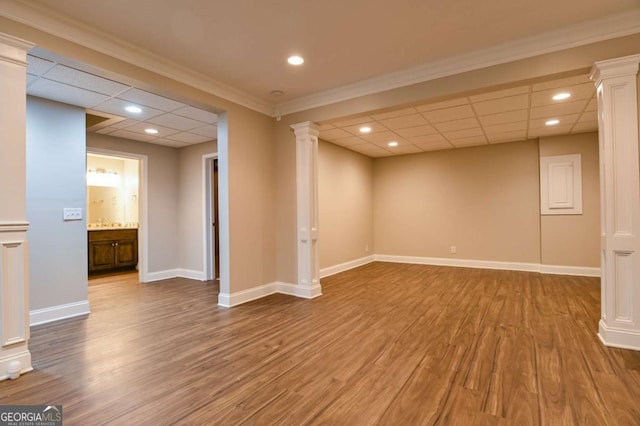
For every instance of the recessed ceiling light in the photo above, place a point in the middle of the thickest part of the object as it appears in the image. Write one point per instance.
(151, 131)
(277, 93)
(134, 109)
(295, 60)
(561, 96)
(552, 122)
(365, 129)
(393, 143)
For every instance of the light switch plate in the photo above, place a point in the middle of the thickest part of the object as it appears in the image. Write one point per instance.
(71, 213)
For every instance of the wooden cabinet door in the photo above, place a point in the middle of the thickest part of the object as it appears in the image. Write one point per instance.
(126, 253)
(101, 255)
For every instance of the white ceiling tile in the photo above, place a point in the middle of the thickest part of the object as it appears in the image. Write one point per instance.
(117, 107)
(210, 130)
(449, 114)
(332, 134)
(382, 138)
(585, 126)
(471, 141)
(416, 131)
(197, 114)
(549, 131)
(463, 134)
(355, 129)
(352, 121)
(442, 105)
(31, 79)
(64, 93)
(593, 105)
(504, 93)
(435, 138)
(141, 97)
(163, 132)
(565, 120)
(83, 80)
(405, 149)
(449, 126)
(504, 117)
(327, 126)
(495, 106)
(189, 138)
(393, 114)
(506, 127)
(38, 66)
(404, 121)
(518, 135)
(175, 122)
(124, 123)
(368, 149)
(589, 116)
(553, 111)
(578, 92)
(132, 135)
(554, 84)
(350, 141)
(106, 130)
(435, 146)
(169, 143)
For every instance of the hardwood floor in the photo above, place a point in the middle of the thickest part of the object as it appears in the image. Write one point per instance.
(385, 344)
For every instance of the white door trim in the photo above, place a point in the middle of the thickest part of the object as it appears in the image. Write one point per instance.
(208, 247)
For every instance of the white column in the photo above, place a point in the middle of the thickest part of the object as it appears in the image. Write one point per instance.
(15, 358)
(616, 83)
(307, 206)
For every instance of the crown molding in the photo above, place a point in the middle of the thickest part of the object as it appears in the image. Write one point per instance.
(612, 26)
(61, 26)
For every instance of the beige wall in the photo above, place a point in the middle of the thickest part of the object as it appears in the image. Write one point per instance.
(483, 200)
(345, 194)
(574, 240)
(190, 205)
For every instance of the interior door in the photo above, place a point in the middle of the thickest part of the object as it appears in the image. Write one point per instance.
(215, 233)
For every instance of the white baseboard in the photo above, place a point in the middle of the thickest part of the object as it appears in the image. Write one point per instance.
(489, 264)
(618, 338)
(22, 357)
(60, 312)
(336, 269)
(227, 300)
(175, 273)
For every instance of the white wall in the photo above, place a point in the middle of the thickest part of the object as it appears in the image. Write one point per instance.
(55, 179)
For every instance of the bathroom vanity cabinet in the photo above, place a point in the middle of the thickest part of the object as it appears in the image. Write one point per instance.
(111, 249)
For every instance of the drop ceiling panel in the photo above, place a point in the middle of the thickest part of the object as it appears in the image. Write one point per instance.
(381, 138)
(354, 130)
(507, 127)
(176, 122)
(405, 149)
(449, 114)
(76, 78)
(504, 117)
(169, 143)
(38, 66)
(587, 126)
(416, 131)
(327, 126)
(197, 114)
(553, 111)
(393, 114)
(189, 138)
(333, 134)
(518, 135)
(463, 134)
(352, 121)
(162, 131)
(64, 93)
(578, 92)
(471, 141)
(449, 126)
(404, 121)
(31, 79)
(593, 105)
(125, 123)
(589, 116)
(427, 139)
(435, 146)
(495, 106)
(500, 94)
(442, 105)
(350, 141)
(117, 107)
(564, 121)
(210, 130)
(140, 97)
(132, 135)
(549, 130)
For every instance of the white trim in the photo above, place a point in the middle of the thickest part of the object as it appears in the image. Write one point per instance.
(612, 26)
(227, 300)
(22, 357)
(14, 226)
(191, 274)
(341, 267)
(617, 338)
(143, 207)
(580, 271)
(162, 275)
(59, 312)
(65, 28)
(490, 264)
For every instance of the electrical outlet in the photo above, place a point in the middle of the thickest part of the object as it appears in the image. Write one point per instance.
(454, 250)
(71, 213)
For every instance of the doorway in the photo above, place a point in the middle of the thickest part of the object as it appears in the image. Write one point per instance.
(211, 217)
(116, 213)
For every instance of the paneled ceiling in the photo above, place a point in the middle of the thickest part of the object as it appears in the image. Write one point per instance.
(500, 116)
(177, 124)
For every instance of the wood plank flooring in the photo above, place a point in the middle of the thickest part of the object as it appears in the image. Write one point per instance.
(388, 344)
